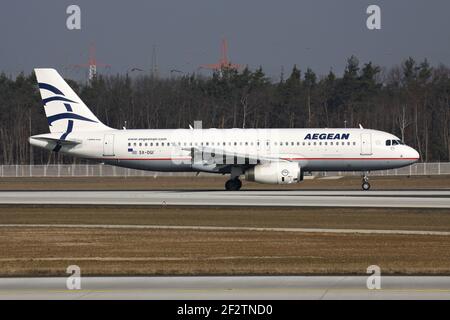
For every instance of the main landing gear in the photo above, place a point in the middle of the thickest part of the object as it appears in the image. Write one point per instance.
(365, 182)
(233, 184)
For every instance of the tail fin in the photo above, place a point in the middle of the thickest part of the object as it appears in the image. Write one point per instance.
(64, 109)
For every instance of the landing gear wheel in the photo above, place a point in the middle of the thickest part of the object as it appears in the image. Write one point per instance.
(365, 181)
(233, 185)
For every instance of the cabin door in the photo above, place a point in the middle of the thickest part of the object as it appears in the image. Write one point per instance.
(366, 144)
(108, 145)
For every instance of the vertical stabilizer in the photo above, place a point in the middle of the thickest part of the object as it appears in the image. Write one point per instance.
(64, 109)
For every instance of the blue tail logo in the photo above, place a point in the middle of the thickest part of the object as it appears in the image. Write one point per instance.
(59, 96)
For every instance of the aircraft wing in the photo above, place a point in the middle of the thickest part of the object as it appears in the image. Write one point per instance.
(223, 158)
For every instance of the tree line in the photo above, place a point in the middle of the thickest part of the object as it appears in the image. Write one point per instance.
(410, 100)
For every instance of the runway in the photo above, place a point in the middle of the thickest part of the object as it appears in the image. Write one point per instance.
(296, 198)
(222, 288)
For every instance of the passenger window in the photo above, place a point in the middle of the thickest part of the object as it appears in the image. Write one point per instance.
(129, 144)
(331, 143)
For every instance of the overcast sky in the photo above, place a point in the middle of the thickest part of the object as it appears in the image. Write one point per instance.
(319, 34)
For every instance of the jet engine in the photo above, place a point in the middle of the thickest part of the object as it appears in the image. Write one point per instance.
(275, 173)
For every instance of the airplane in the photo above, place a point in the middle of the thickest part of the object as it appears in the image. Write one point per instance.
(274, 156)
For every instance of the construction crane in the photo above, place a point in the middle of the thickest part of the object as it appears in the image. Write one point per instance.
(223, 63)
(92, 64)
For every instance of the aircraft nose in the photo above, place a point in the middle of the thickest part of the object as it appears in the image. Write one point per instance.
(413, 155)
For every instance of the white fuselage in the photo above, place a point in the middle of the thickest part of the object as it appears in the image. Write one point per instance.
(172, 149)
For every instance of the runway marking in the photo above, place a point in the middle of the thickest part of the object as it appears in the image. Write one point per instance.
(217, 228)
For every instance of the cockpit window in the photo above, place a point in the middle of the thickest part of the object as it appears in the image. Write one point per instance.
(394, 142)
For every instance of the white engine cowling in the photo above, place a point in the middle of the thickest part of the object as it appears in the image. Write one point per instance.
(275, 173)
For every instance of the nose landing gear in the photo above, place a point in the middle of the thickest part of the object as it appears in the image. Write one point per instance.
(233, 184)
(365, 182)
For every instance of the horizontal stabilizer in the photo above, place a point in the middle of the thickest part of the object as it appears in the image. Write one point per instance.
(58, 141)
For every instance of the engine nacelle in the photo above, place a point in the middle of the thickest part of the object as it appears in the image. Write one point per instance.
(275, 173)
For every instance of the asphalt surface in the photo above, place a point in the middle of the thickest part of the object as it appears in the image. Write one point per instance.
(297, 198)
(214, 288)
(215, 228)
